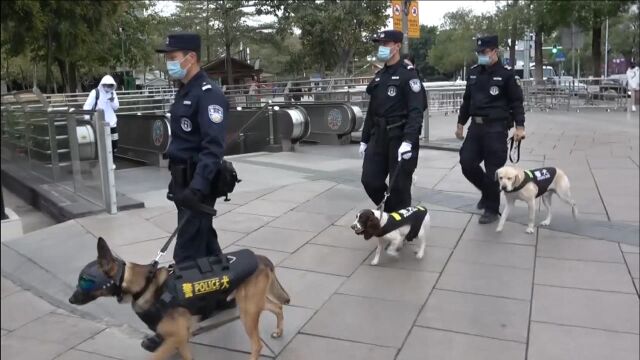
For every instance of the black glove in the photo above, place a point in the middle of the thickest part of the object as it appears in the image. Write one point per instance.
(189, 198)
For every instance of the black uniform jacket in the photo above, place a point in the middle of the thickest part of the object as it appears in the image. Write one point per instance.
(197, 128)
(492, 92)
(396, 103)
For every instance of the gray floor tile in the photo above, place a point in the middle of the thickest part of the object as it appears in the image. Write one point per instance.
(278, 239)
(443, 345)
(476, 314)
(347, 219)
(81, 355)
(319, 348)
(443, 237)
(228, 238)
(371, 321)
(326, 205)
(276, 257)
(594, 309)
(555, 342)
(64, 330)
(297, 220)
(122, 229)
(487, 280)
(8, 287)
(579, 249)
(583, 275)
(232, 336)
(167, 221)
(3, 332)
(19, 348)
(341, 236)
(513, 233)
(207, 352)
(633, 262)
(145, 251)
(244, 223)
(382, 283)
(326, 259)
(306, 288)
(449, 219)
(273, 208)
(115, 343)
(434, 259)
(630, 248)
(488, 253)
(12, 319)
(637, 282)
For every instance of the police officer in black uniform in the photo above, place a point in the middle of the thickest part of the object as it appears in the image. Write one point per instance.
(392, 126)
(493, 100)
(195, 152)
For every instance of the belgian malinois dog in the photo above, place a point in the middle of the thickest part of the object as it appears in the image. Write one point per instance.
(129, 282)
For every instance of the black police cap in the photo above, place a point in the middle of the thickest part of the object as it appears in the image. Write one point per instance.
(181, 41)
(487, 42)
(388, 35)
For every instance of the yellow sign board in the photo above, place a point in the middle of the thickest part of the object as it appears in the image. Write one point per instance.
(412, 17)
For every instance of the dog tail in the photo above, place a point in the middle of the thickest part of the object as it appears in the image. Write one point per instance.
(276, 292)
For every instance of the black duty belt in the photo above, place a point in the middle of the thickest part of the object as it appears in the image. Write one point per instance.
(382, 122)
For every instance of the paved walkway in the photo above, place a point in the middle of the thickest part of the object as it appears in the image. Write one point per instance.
(566, 292)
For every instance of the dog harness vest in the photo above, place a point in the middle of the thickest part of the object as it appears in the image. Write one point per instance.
(542, 177)
(200, 285)
(413, 215)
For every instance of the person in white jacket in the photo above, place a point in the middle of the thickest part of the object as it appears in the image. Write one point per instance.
(104, 97)
(633, 76)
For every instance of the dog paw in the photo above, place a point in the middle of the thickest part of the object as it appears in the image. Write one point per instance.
(276, 334)
(545, 223)
(419, 254)
(529, 230)
(374, 262)
(392, 253)
(499, 229)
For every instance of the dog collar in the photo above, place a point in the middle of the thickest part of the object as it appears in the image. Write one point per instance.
(528, 177)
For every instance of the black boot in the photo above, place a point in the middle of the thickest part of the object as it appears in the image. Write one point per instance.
(152, 343)
(488, 217)
(480, 204)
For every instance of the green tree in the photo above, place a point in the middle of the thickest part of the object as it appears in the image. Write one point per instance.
(454, 47)
(420, 49)
(332, 32)
(624, 33)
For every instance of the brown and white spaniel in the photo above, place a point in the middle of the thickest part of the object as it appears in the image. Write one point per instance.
(393, 229)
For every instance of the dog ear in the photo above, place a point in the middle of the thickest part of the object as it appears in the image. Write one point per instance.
(495, 175)
(518, 178)
(372, 227)
(105, 257)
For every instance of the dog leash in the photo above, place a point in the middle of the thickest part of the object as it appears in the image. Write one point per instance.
(511, 143)
(391, 181)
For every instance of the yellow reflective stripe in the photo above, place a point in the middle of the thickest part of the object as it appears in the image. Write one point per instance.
(420, 207)
(529, 173)
(396, 216)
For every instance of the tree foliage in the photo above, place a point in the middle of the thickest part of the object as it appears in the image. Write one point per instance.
(332, 32)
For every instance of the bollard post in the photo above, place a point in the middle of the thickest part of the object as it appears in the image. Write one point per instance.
(105, 153)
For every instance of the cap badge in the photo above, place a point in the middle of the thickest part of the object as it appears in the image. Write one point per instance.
(167, 41)
(479, 42)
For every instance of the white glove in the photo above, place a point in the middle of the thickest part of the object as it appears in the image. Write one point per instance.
(363, 147)
(404, 152)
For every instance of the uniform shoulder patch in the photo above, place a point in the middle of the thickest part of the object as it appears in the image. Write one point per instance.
(415, 85)
(474, 66)
(206, 86)
(215, 113)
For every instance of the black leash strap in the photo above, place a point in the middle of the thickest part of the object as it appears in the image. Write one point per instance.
(391, 181)
(517, 143)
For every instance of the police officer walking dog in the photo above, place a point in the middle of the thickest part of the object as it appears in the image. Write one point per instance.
(493, 99)
(392, 127)
(195, 152)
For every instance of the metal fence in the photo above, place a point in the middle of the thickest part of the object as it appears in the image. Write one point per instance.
(60, 146)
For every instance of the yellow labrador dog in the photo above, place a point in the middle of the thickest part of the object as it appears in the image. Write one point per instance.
(527, 185)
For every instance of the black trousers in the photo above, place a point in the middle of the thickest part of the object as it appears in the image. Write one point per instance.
(380, 160)
(488, 143)
(196, 238)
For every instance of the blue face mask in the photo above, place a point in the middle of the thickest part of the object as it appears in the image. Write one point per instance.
(384, 53)
(174, 69)
(484, 59)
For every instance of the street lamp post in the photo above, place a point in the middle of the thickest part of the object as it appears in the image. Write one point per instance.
(405, 27)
